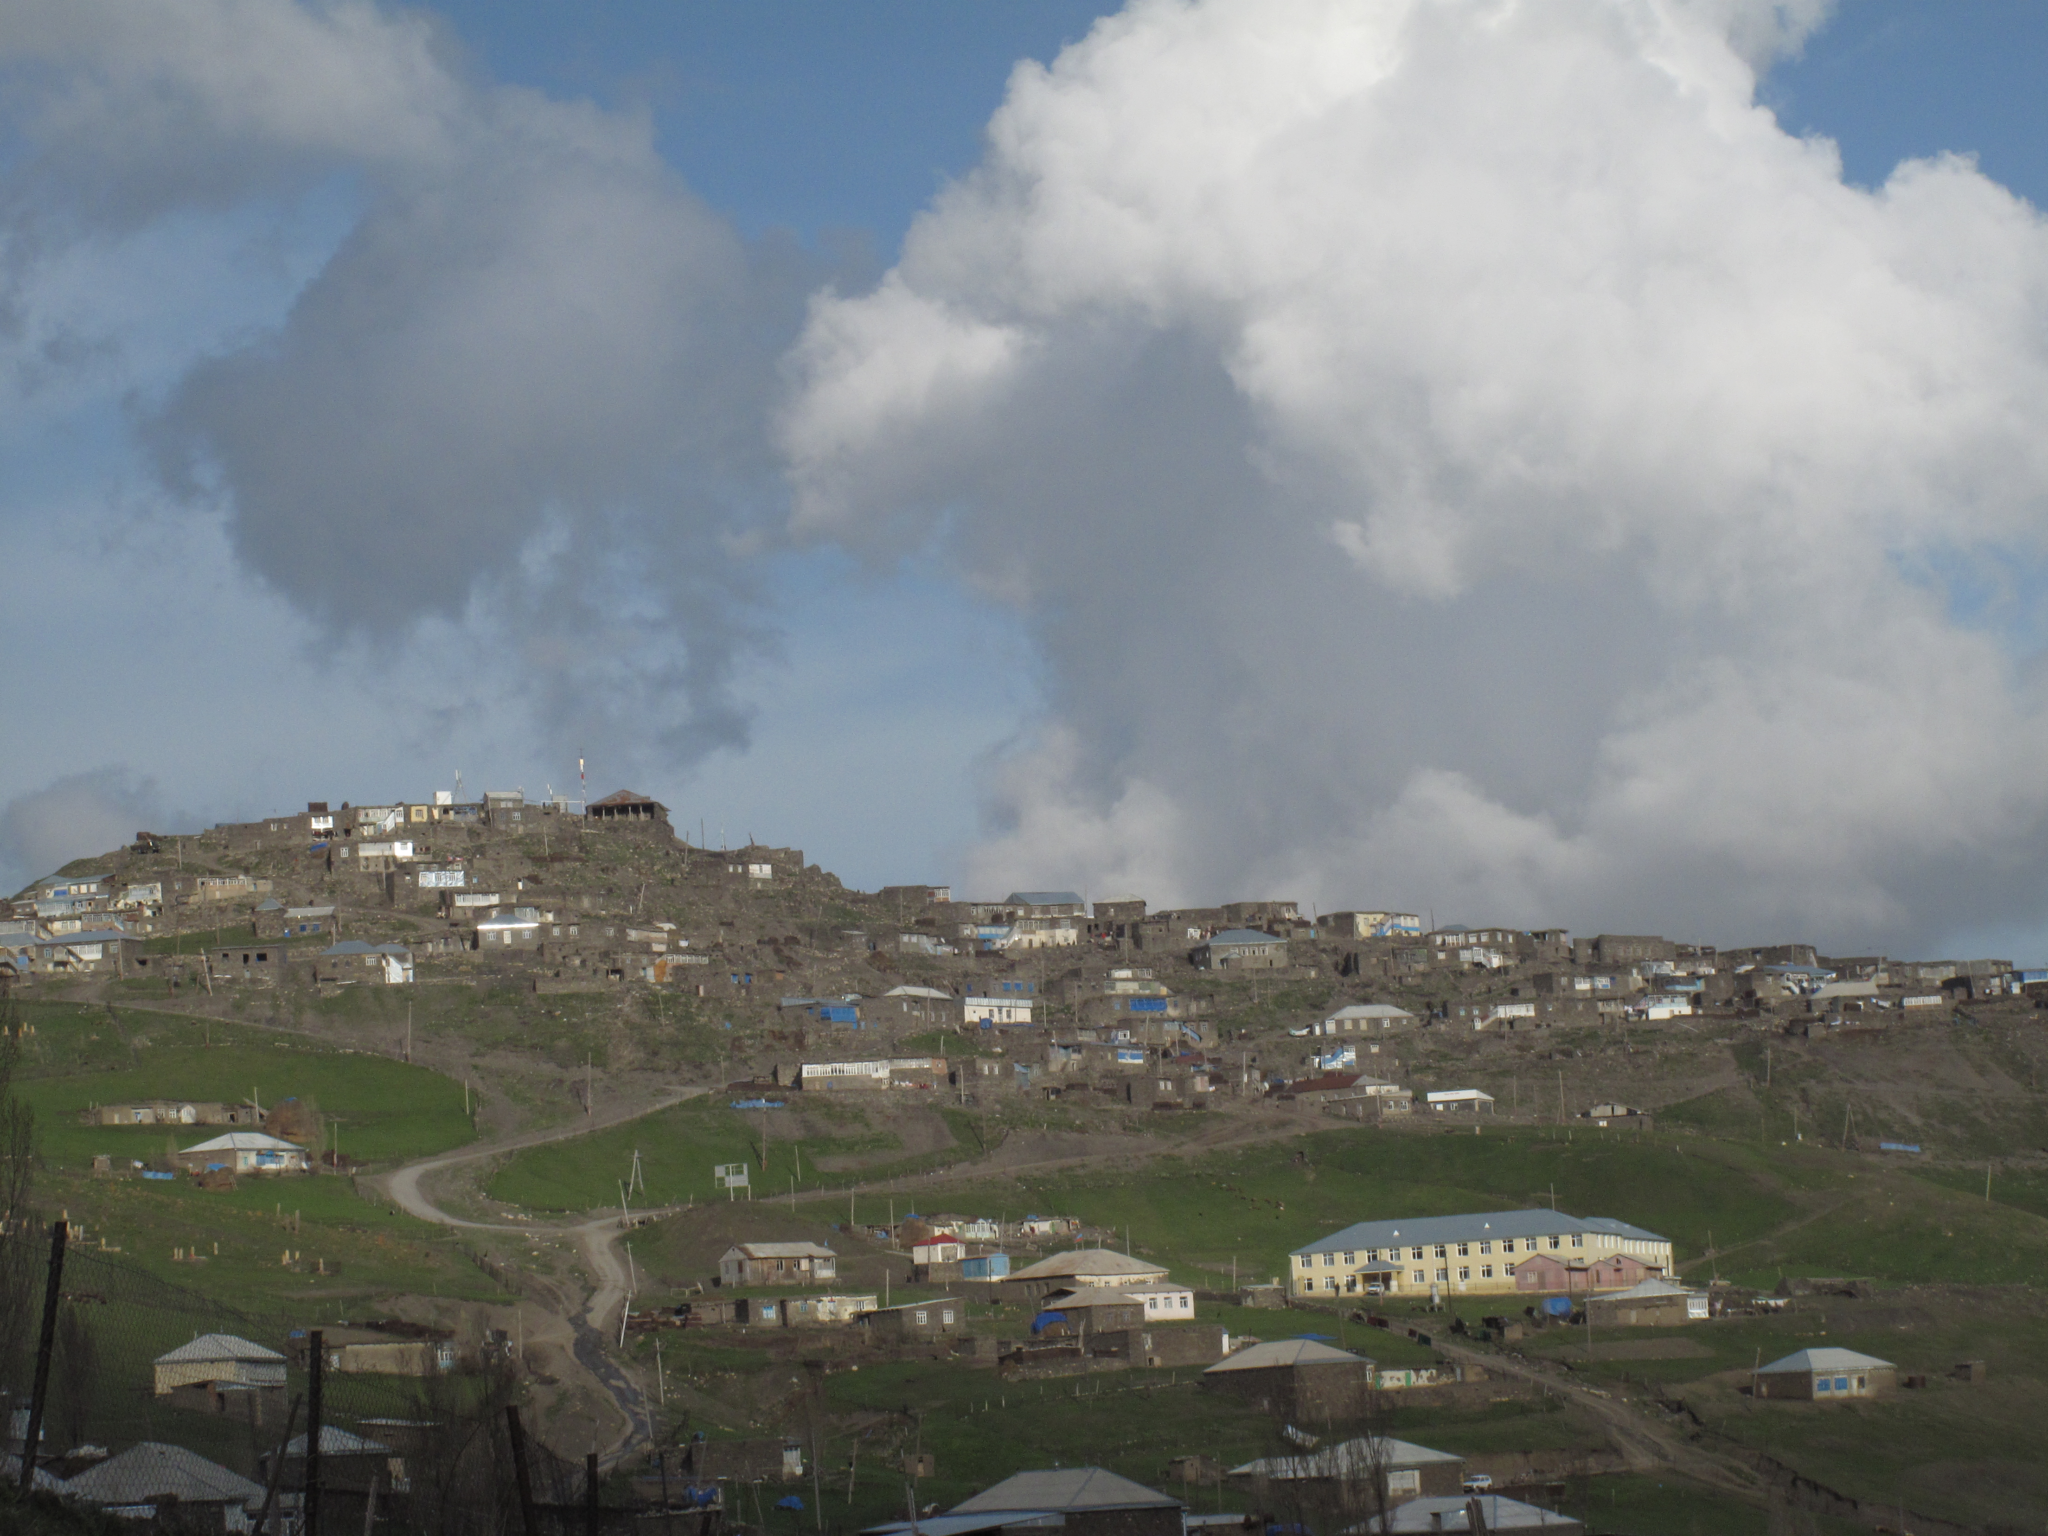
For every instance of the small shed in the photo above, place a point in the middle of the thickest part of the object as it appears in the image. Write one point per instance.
(1650, 1304)
(985, 1266)
(1826, 1375)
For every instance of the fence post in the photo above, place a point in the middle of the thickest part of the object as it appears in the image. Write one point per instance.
(284, 1446)
(53, 1296)
(315, 1381)
(590, 1494)
(519, 1470)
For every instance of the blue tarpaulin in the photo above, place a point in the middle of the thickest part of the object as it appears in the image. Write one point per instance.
(789, 1501)
(1045, 1320)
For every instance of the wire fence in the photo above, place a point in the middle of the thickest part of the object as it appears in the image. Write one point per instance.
(152, 1399)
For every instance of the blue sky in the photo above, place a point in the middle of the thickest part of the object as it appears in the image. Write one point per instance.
(892, 692)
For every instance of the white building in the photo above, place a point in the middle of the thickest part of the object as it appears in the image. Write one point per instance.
(1469, 1101)
(997, 1011)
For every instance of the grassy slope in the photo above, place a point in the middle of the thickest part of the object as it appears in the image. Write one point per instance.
(679, 1147)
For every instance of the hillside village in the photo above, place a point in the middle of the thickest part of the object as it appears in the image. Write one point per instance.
(818, 1044)
(1049, 994)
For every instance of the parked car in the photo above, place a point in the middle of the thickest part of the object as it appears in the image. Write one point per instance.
(1478, 1482)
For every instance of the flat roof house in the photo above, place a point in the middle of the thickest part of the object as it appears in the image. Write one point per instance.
(1476, 1253)
(1826, 1376)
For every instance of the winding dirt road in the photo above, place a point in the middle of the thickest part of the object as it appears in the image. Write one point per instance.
(596, 1241)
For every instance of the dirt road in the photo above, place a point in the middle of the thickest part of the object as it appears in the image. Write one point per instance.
(596, 1241)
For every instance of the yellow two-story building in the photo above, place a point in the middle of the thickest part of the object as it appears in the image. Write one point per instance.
(1491, 1251)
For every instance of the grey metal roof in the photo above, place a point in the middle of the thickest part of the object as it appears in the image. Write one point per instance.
(1351, 1458)
(152, 1470)
(1500, 1513)
(1280, 1352)
(1478, 1224)
(1244, 936)
(1065, 1488)
(1087, 1263)
(1043, 899)
(336, 1441)
(1825, 1358)
(964, 1525)
(209, 1347)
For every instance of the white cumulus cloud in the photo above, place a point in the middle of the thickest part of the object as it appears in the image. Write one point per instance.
(1466, 454)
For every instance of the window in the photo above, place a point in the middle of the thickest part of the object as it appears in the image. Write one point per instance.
(1350, 1258)
(1555, 1241)
(1306, 1261)
(1440, 1250)
(1486, 1247)
(1415, 1253)
(1821, 1384)
(1578, 1239)
(1332, 1284)
(1862, 1382)
(946, 1316)
(1486, 1271)
(1420, 1277)
(1464, 1273)
(1841, 1383)
(1507, 1271)
(1443, 1274)
(920, 1316)
(1464, 1250)
(1372, 1255)
(1329, 1260)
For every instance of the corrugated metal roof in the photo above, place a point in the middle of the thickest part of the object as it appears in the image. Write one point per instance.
(1478, 1225)
(1244, 936)
(209, 1347)
(1350, 1459)
(244, 1141)
(785, 1251)
(1084, 1262)
(1065, 1488)
(152, 1470)
(1448, 1514)
(1279, 1352)
(1825, 1359)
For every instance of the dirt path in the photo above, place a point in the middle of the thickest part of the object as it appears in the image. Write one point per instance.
(596, 1242)
(1645, 1443)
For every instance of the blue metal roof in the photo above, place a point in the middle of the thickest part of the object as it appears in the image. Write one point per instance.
(1481, 1224)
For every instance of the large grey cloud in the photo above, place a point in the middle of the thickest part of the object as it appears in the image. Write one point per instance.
(523, 396)
(1463, 453)
(74, 817)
